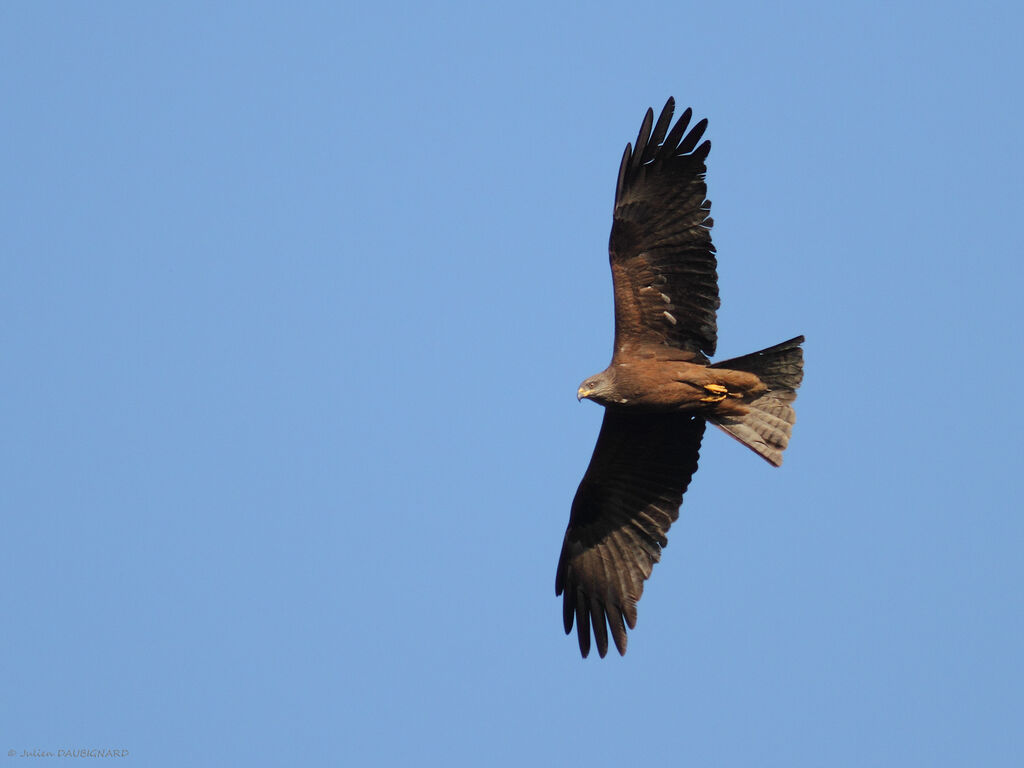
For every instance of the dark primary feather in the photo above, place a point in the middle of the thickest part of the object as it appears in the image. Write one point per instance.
(629, 497)
(663, 262)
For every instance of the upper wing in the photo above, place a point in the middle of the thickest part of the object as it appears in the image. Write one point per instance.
(663, 262)
(629, 497)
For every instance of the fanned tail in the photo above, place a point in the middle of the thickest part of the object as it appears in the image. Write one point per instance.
(768, 423)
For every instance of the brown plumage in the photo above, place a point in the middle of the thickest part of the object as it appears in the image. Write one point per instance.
(660, 388)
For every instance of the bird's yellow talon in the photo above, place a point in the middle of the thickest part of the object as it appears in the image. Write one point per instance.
(718, 393)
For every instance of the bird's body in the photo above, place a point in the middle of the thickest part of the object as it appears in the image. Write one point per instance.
(661, 389)
(660, 378)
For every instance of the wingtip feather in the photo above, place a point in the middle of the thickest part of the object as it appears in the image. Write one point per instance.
(620, 185)
(641, 139)
(600, 627)
(582, 624)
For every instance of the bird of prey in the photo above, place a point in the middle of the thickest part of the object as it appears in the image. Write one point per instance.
(660, 389)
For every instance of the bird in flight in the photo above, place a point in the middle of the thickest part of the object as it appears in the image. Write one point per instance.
(660, 389)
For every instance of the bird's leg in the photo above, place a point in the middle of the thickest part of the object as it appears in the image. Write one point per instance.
(716, 393)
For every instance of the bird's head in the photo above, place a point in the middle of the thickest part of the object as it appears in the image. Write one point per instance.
(597, 388)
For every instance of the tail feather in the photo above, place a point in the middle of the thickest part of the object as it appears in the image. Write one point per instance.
(766, 426)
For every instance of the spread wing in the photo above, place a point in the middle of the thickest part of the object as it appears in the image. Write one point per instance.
(663, 262)
(629, 497)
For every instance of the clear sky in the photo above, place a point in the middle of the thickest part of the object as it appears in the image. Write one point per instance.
(294, 302)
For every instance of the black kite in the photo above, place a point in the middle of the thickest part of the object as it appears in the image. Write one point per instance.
(660, 388)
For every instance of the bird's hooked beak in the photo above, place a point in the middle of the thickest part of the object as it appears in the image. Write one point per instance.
(583, 392)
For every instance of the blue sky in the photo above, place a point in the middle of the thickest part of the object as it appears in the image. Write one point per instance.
(293, 307)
